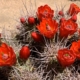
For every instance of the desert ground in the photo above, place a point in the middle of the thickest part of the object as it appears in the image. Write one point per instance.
(12, 10)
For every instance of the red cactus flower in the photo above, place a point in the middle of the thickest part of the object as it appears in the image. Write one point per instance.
(78, 31)
(74, 9)
(37, 37)
(24, 53)
(66, 57)
(44, 12)
(75, 47)
(48, 27)
(74, 17)
(7, 55)
(61, 13)
(22, 20)
(62, 19)
(31, 20)
(67, 27)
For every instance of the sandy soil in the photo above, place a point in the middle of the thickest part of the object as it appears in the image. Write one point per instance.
(12, 10)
